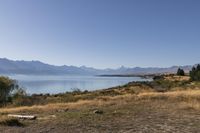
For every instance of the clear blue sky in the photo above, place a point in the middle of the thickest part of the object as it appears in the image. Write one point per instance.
(101, 33)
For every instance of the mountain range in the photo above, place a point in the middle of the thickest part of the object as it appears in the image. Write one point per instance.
(39, 68)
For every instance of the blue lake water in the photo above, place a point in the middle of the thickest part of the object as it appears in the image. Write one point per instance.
(59, 84)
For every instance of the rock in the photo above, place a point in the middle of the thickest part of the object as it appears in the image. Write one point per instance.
(98, 111)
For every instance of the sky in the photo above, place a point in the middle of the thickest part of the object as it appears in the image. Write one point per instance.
(101, 33)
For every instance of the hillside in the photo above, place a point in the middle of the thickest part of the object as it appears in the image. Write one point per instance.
(135, 107)
(39, 68)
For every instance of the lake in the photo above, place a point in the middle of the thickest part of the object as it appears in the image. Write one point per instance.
(59, 84)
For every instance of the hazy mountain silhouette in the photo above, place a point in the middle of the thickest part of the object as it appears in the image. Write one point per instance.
(39, 68)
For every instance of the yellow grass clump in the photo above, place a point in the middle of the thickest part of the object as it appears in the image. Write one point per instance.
(186, 98)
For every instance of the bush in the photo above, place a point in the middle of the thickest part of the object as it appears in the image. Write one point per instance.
(161, 77)
(10, 122)
(195, 73)
(76, 91)
(19, 97)
(180, 72)
(6, 87)
(10, 92)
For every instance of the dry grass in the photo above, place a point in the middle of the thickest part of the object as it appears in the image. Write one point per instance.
(186, 98)
(175, 95)
(176, 78)
(138, 104)
(6, 121)
(40, 108)
(100, 101)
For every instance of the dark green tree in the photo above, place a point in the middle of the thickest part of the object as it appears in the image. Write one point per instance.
(180, 72)
(6, 87)
(195, 73)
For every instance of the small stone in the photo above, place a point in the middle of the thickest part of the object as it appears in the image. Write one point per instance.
(98, 111)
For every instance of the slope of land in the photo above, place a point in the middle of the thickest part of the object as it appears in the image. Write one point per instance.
(168, 105)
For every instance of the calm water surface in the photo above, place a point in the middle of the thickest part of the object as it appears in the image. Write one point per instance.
(58, 84)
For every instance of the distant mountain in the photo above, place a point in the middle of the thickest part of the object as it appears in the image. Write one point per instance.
(151, 70)
(38, 68)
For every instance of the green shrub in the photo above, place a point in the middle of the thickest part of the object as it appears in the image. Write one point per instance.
(19, 97)
(180, 72)
(10, 92)
(195, 73)
(10, 122)
(7, 85)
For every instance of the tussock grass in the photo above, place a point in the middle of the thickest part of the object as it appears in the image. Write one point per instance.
(174, 95)
(186, 98)
(100, 101)
(185, 93)
(5, 121)
(177, 78)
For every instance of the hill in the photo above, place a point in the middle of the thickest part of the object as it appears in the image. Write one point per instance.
(39, 68)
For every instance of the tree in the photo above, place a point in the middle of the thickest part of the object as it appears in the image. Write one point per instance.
(198, 67)
(7, 85)
(180, 72)
(195, 73)
(19, 97)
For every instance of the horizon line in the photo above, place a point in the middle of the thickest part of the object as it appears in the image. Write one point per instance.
(122, 66)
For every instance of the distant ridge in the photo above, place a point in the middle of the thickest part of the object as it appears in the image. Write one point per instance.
(39, 68)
